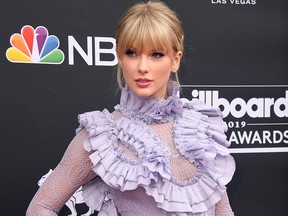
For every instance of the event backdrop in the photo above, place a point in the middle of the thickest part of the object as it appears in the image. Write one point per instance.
(236, 57)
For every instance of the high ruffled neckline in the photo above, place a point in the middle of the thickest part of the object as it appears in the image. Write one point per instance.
(148, 109)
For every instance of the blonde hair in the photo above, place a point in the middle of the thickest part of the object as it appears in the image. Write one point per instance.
(152, 23)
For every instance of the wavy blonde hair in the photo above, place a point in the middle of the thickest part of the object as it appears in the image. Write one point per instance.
(152, 23)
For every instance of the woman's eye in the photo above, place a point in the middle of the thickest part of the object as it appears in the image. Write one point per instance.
(158, 54)
(131, 53)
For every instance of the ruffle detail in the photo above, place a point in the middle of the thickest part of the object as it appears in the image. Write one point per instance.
(151, 110)
(97, 197)
(114, 168)
(143, 142)
(199, 136)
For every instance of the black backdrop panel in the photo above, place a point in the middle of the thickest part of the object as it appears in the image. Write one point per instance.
(235, 57)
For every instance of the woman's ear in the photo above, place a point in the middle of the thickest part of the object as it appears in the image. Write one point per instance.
(118, 57)
(176, 61)
(119, 61)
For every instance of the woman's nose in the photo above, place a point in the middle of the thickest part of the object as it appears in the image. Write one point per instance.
(143, 64)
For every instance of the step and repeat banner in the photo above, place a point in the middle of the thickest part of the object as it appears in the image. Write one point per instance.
(236, 57)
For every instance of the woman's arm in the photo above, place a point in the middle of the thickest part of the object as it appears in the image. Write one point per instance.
(73, 171)
(223, 207)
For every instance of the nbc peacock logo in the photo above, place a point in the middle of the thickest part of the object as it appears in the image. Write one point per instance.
(34, 46)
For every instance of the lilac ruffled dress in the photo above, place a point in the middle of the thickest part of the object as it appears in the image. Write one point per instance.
(156, 157)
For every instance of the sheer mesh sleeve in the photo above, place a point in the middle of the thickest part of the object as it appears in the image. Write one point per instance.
(73, 171)
(223, 207)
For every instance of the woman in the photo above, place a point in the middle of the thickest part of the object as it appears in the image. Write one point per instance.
(154, 155)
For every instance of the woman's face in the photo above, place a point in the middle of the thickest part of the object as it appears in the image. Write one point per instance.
(147, 72)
